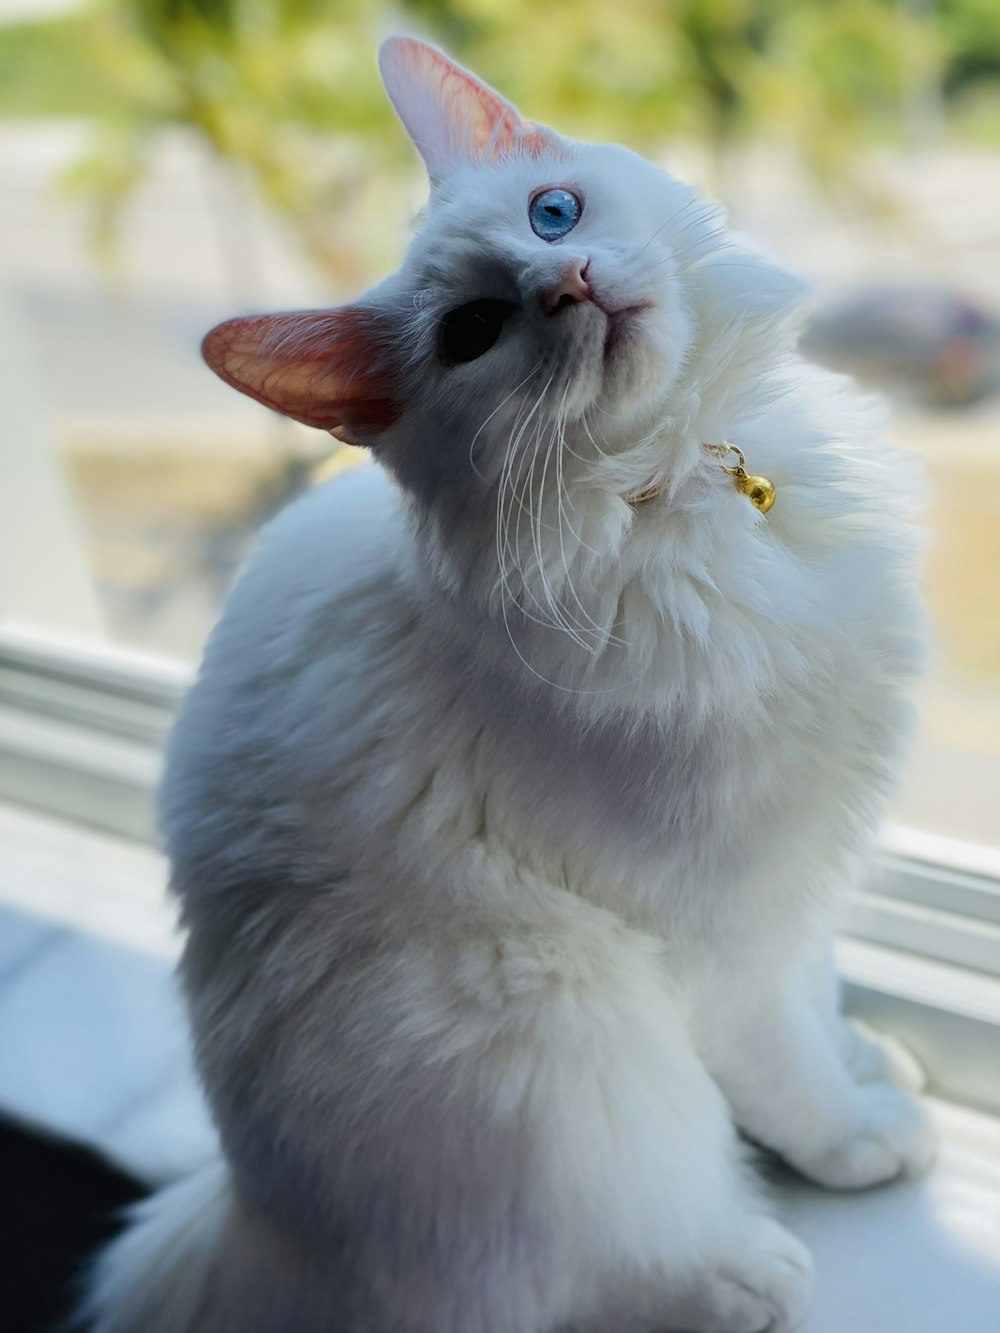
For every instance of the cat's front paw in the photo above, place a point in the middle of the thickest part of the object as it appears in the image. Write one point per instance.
(893, 1137)
(762, 1286)
(875, 1057)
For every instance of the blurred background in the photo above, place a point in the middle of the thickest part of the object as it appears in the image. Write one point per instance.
(166, 163)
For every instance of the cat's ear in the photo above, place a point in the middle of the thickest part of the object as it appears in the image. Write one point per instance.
(449, 114)
(327, 368)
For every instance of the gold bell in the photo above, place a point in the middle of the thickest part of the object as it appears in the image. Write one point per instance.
(760, 491)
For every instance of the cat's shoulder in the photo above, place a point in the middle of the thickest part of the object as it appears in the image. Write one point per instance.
(328, 558)
(291, 643)
(331, 532)
(333, 541)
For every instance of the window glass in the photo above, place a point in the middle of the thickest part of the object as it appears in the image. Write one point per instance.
(863, 151)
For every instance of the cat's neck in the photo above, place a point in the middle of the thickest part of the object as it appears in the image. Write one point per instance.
(693, 601)
(635, 607)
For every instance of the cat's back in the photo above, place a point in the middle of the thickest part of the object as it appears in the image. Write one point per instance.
(337, 542)
(319, 610)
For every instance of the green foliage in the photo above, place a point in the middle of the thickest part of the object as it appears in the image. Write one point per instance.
(284, 92)
(714, 69)
(971, 30)
(43, 71)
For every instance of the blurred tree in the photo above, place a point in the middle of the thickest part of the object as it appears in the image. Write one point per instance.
(971, 31)
(283, 92)
(820, 74)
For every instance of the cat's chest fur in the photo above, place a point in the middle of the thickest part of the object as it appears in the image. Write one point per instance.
(333, 728)
(644, 815)
(721, 750)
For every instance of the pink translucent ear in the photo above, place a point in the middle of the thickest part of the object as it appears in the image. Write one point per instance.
(327, 368)
(450, 116)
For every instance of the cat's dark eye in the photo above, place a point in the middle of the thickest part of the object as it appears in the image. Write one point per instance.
(554, 213)
(469, 331)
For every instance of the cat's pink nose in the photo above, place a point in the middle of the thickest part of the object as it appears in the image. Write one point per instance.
(569, 290)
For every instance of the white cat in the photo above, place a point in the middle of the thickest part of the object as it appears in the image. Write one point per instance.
(522, 772)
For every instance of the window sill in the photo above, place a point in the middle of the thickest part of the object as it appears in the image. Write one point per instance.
(93, 1048)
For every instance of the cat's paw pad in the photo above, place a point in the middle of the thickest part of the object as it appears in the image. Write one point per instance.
(874, 1057)
(894, 1137)
(761, 1287)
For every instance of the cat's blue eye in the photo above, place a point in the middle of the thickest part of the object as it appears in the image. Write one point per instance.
(554, 213)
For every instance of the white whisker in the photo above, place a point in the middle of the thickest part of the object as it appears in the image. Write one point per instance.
(601, 632)
(503, 402)
(558, 608)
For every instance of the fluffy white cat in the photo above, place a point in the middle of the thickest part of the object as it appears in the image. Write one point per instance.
(521, 775)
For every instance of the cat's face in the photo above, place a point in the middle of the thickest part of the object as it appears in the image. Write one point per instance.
(553, 272)
(541, 299)
(567, 330)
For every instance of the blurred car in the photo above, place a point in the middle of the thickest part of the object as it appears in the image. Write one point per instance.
(933, 344)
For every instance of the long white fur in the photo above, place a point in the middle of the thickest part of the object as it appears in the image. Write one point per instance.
(508, 818)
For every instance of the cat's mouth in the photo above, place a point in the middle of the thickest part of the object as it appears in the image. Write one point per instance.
(575, 290)
(620, 323)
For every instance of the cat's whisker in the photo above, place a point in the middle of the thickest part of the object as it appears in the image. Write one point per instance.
(563, 498)
(502, 521)
(558, 619)
(603, 635)
(523, 459)
(567, 621)
(586, 426)
(509, 602)
(675, 217)
(554, 602)
(588, 625)
(557, 615)
(501, 496)
(573, 454)
(519, 491)
(560, 426)
(509, 484)
(503, 403)
(606, 632)
(657, 232)
(565, 449)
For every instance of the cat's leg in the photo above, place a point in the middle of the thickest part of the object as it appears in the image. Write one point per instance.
(502, 1126)
(874, 1057)
(758, 1279)
(870, 1056)
(643, 1213)
(802, 1082)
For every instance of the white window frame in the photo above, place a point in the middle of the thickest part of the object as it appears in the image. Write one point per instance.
(82, 728)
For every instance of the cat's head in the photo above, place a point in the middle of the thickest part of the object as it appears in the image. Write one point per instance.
(541, 331)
